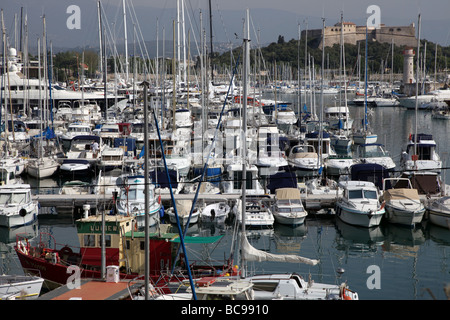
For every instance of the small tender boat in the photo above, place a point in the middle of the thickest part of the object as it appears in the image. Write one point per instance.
(439, 212)
(183, 210)
(359, 204)
(75, 167)
(75, 187)
(288, 208)
(24, 287)
(215, 212)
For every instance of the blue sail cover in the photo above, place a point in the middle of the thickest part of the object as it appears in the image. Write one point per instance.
(369, 172)
(47, 134)
(282, 180)
(159, 178)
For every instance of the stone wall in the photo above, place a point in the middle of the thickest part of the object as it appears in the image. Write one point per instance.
(402, 35)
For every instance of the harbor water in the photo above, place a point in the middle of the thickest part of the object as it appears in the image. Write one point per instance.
(387, 262)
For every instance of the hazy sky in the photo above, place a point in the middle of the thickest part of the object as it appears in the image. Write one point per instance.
(271, 17)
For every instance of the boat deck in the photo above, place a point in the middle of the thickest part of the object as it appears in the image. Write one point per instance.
(91, 289)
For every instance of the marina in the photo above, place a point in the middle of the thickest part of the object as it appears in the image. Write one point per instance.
(253, 190)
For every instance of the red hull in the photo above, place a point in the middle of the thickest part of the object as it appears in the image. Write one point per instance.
(56, 272)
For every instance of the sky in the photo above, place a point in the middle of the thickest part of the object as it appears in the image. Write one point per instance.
(269, 18)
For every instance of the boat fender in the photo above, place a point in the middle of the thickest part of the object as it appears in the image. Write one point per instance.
(23, 212)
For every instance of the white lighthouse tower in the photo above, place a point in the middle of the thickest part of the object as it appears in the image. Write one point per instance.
(408, 66)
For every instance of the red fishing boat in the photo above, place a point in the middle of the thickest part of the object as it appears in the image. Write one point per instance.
(124, 248)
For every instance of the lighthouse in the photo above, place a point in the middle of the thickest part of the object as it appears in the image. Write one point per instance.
(408, 66)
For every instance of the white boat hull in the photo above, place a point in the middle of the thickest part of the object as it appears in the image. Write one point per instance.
(290, 219)
(440, 218)
(153, 219)
(396, 215)
(20, 287)
(258, 220)
(42, 170)
(184, 218)
(12, 220)
(219, 215)
(359, 218)
(364, 139)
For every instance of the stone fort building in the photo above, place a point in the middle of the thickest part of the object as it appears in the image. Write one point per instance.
(401, 35)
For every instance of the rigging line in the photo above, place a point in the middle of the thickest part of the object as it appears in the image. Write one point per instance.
(112, 46)
(134, 18)
(209, 154)
(223, 23)
(174, 203)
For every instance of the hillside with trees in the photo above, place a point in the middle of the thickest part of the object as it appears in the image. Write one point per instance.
(292, 53)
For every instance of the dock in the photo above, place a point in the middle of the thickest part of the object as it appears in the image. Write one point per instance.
(310, 201)
(95, 289)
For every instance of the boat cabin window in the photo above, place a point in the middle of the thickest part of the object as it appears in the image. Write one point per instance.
(6, 176)
(107, 240)
(237, 181)
(265, 286)
(89, 240)
(370, 194)
(360, 194)
(424, 152)
(17, 198)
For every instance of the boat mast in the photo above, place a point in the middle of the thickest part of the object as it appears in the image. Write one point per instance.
(126, 40)
(321, 99)
(211, 41)
(100, 36)
(244, 138)
(417, 86)
(365, 84)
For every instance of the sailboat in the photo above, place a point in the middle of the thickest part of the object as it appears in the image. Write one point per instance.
(339, 116)
(420, 151)
(364, 135)
(44, 166)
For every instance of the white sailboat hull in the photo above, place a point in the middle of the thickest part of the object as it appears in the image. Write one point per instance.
(42, 170)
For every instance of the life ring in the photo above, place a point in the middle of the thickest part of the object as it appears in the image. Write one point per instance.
(345, 295)
(22, 248)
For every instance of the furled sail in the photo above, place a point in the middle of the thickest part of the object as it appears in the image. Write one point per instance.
(250, 253)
